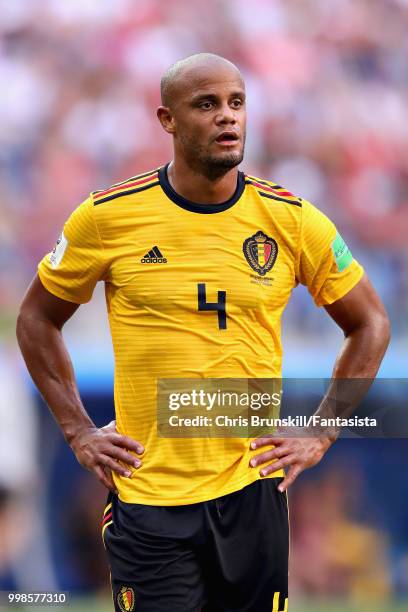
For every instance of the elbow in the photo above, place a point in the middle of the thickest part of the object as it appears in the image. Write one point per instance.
(24, 323)
(20, 326)
(384, 326)
(378, 328)
(375, 328)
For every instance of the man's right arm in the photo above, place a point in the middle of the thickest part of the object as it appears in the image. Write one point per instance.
(39, 332)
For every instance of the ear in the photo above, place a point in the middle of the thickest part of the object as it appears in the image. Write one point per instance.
(166, 118)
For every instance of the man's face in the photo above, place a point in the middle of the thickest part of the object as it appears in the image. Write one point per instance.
(209, 118)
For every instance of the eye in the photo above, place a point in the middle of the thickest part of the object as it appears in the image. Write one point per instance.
(236, 103)
(206, 105)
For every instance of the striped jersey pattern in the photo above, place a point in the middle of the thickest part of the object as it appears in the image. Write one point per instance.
(267, 189)
(136, 184)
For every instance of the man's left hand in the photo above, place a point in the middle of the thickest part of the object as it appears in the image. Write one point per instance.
(298, 453)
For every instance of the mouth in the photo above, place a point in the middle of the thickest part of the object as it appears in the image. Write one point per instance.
(227, 139)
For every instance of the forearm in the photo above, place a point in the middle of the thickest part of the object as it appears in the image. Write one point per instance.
(50, 367)
(355, 368)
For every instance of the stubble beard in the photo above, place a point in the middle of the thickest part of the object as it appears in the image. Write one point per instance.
(210, 165)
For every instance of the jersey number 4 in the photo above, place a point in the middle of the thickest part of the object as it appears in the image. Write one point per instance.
(219, 307)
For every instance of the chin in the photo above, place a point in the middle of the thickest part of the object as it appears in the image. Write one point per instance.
(227, 160)
(214, 165)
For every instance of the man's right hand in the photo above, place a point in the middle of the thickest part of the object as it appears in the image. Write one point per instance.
(104, 450)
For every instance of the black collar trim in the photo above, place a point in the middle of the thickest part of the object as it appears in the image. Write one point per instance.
(193, 206)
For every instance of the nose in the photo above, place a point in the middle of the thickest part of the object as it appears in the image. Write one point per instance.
(226, 115)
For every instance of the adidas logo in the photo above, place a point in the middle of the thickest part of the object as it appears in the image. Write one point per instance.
(154, 256)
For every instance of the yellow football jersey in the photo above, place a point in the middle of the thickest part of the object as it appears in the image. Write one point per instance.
(193, 291)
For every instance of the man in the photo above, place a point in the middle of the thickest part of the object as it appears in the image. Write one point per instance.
(186, 254)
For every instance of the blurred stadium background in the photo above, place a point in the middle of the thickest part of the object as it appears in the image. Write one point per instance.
(327, 88)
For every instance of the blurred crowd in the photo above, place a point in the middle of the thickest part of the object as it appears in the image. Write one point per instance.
(327, 88)
(327, 85)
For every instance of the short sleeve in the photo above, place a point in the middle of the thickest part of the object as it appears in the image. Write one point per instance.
(77, 262)
(325, 264)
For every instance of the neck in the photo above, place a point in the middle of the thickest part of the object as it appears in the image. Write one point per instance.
(199, 188)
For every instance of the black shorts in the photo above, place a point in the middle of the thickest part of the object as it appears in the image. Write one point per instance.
(226, 554)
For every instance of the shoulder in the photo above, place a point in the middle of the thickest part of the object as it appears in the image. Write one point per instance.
(272, 191)
(135, 184)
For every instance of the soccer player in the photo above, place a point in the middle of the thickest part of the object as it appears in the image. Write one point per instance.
(199, 261)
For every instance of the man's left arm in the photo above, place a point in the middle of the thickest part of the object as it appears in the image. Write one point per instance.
(362, 317)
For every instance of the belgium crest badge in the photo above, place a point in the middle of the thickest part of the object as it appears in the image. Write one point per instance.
(260, 252)
(126, 599)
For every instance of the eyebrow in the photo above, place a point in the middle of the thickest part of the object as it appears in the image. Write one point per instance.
(212, 96)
